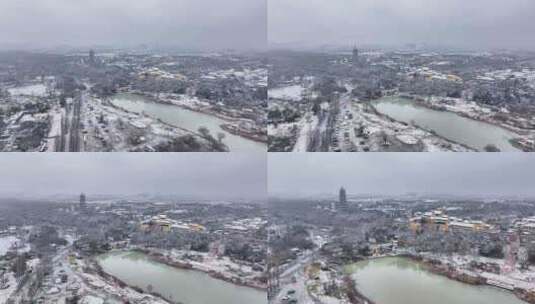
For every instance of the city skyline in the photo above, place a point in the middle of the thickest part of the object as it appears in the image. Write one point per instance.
(182, 24)
(460, 24)
(221, 176)
(391, 174)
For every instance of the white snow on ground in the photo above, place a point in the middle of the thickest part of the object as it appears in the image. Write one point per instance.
(55, 128)
(308, 124)
(92, 300)
(251, 77)
(184, 100)
(33, 90)
(526, 73)
(293, 93)
(222, 265)
(406, 133)
(458, 105)
(517, 278)
(7, 243)
(5, 293)
(95, 287)
(281, 129)
(407, 138)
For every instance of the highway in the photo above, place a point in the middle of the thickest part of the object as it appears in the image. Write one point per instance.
(74, 129)
(70, 126)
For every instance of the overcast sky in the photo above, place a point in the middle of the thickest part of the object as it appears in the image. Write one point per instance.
(299, 174)
(203, 24)
(200, 175)
(459, 23)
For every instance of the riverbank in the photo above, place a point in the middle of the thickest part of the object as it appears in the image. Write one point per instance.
(163, 126)
(232, 129)
(460, 123)
(115, 280)
(353, 294)
(203, 108)
(431, 132)
(439, 268)
(192, 119)
(482, 116)
(330, 285)
(402, 272)
(107, 102)
(175, 280)
(220, 275)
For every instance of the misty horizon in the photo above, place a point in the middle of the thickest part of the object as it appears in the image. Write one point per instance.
(207, 25)
(188, 175)
(476, 25)
(387, 174)
(333, 195)
(183, 24)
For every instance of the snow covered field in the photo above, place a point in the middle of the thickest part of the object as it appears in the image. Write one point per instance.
(251, 77)
(5, 293)
(292, 93)
(33, 90)
(307, 126)
(7, 243)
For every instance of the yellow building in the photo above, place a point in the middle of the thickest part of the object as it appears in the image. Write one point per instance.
(438, 221)
(159, 223)
(454, 78)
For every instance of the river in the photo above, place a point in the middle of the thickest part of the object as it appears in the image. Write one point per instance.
(184, 118)
(396, 280)
(454, 127)
(185, 286)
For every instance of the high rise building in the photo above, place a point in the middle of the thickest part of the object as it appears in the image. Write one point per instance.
(355, 58)
(342, 200)
(92, 59)
(83, 203)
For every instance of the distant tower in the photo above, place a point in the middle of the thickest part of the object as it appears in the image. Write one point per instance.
(83, 203)
(342, 200)
(355, 57)
(92, 57)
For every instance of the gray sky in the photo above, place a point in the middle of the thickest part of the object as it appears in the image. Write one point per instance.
(202, 175)
(460, 23)
(309, 174)
(206, 24)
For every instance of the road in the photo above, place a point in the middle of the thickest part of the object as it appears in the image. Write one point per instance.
(320, 139)
(70, 126)
(297, 270)
(74, 128)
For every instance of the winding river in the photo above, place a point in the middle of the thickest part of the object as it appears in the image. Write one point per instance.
(396, 280)
(457, 128)
(180, 285)
(186, 119)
